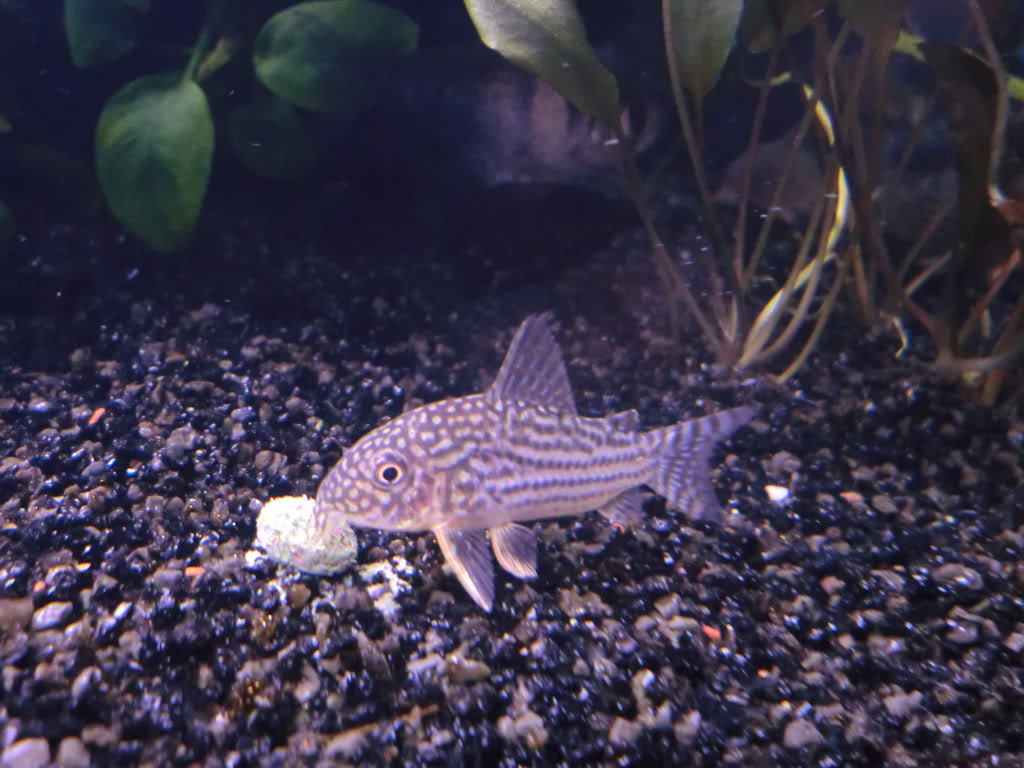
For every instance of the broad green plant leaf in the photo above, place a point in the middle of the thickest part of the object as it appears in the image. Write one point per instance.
(328, 55)
(764, 21)
(154, 145)
(269, 138)
(101, 31)
(547, 38)
(702, 36)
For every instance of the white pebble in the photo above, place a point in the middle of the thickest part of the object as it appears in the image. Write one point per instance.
(286, 530)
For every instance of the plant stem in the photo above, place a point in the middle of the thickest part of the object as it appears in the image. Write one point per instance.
(213, 16)
(717, 238)
(675, 286)
(749, 272)
(1002, 96)
(1011, 335)
(819, 325)
(753, 149)
(995, 285)
(198, 51)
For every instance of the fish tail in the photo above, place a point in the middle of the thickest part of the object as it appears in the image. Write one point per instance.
(681, 473)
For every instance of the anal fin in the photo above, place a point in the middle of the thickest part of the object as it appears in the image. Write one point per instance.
(515, 546)
(470, 558)
(626, 509)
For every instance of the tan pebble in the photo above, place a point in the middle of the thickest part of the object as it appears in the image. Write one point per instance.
(687, 727)
(26, 753)
(52, 615)
(463, 670)
(832, 585)
(623, 732)
(801, 733)
(347, 745)
(884, 504)
(15, 613)
(72, 753)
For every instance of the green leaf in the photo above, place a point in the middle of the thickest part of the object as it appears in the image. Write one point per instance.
(270, 140)
(765, 20)
(702, 35)
(100, 31)
(547, 38)
(876, 20)
(63, 179)
(7, 226)
(154, 144)
(328, 55)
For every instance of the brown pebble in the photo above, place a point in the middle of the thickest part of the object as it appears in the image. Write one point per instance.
(15, 613)
(832, 586)
(463, 670)
(687, 727)
(668, 605)
(623, 732)
(298, 595)
(884, 504)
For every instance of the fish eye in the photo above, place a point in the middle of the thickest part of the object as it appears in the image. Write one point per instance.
(389, 471)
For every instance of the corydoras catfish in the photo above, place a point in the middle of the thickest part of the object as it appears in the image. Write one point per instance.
(468, 466)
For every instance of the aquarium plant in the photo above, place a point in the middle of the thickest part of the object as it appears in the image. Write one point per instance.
(842, 244)
(156, 134)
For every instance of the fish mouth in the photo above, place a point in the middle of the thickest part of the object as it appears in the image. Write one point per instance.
(374, 519)
(331, 516)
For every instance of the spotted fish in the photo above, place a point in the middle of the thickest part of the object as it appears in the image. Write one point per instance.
(468, 466)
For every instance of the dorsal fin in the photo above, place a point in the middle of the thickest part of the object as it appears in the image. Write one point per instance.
(533, 371)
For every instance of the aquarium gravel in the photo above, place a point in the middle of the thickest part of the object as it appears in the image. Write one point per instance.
(861, 605)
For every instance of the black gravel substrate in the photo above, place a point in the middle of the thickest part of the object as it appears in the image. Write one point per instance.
(873, 617)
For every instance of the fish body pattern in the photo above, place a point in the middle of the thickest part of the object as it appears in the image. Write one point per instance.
(515, 453)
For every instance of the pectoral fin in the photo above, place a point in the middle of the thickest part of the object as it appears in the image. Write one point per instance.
(626, 509)
(470, 558)
(515, 546)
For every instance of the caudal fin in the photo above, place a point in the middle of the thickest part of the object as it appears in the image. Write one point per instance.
(682, 474)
